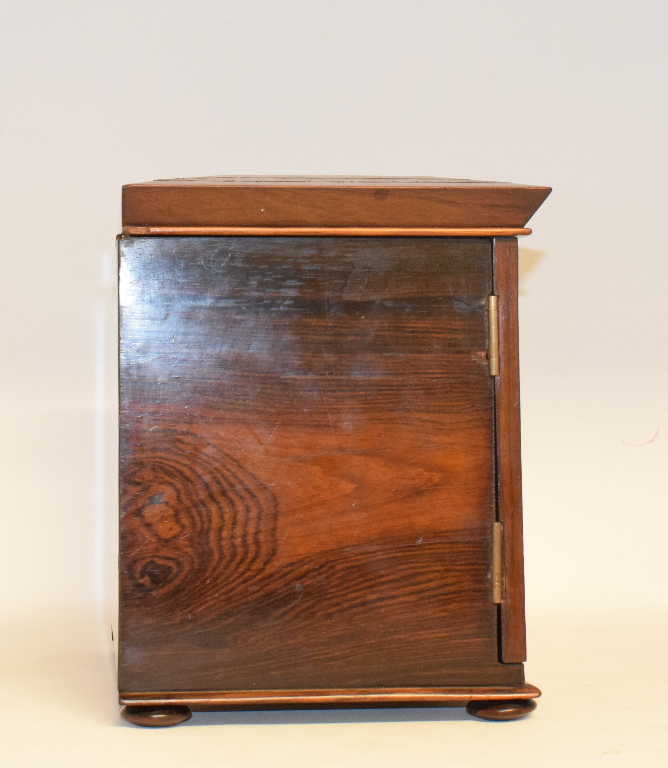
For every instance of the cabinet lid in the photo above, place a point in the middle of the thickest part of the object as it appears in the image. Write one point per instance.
(330, 201)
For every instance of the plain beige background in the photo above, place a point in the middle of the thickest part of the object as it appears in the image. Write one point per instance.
(567, 94)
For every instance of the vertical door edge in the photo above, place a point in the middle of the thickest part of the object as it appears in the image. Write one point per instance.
(512, 645)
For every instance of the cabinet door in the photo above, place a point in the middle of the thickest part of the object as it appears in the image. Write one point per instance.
(307, 464)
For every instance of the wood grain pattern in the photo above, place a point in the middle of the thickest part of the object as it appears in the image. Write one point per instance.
(509, 468)
(329, 202)
(194, 516)
(321, 232)
(308, 465)
(211, 700)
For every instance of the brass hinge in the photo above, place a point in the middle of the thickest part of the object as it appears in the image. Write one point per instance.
(497, 562)
(493, 324)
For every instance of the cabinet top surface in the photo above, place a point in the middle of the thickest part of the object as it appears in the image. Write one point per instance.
(329, 201)
(328, 181)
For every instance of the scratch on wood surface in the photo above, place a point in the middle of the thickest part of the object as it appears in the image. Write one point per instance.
(257, 437)
(647, 442)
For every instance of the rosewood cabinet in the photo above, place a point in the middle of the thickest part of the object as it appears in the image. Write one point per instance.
(320, 447)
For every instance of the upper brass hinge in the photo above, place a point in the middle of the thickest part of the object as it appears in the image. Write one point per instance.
(493, 325)
(497, 563)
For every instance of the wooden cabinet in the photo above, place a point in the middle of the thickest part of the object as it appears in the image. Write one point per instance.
(320, 467)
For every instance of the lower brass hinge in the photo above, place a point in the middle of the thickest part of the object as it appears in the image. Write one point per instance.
(497, 562)
(493, 325)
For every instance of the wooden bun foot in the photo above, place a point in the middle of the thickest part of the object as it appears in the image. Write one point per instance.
(156, 717)
(511, 709)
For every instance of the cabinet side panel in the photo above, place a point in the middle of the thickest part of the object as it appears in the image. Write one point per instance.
(307, 463)
(509, 470)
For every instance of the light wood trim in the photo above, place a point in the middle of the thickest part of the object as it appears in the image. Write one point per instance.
(320, 232)
(508, 458)
(202, 700)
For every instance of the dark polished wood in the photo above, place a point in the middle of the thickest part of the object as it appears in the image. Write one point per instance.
(156, 716)
(307, 456)
(329, 201)
(509, 463)
(314, 452)
(501, 710)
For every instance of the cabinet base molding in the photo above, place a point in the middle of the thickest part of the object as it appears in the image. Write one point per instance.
(155, 709)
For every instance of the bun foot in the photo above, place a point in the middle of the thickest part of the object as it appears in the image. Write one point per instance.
(156, 717)
(499, 709)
